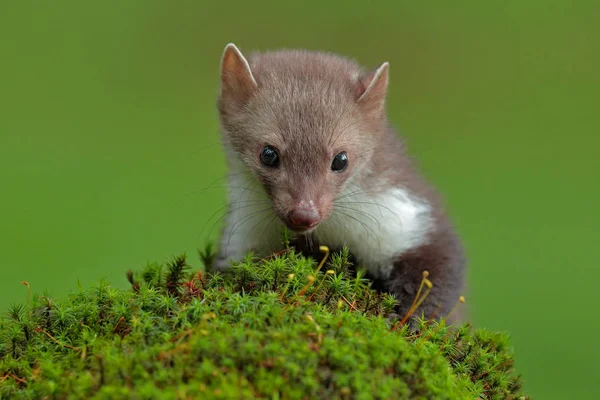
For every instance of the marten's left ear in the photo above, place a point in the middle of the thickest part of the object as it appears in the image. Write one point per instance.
(237, 81)
(372, 89)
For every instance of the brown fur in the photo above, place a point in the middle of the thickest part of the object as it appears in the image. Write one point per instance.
(310, 106)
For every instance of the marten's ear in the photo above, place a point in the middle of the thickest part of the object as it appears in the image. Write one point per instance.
(372, 89)
(237, 81)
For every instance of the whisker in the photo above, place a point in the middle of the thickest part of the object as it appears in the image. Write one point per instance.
(337, 122)
(366, 214)
(246, 203)
(334, 218)
(365, 154)
(229, 213)
(250, 201)
(363, 224)
(242, 221)
(259, 222)
(351, 124)
(268, 225)
(362, 190)
(381, 206)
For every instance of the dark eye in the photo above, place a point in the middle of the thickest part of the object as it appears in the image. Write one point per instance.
(269, 157)
(340, 162)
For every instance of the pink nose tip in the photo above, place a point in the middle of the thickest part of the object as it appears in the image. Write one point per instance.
(304, 217)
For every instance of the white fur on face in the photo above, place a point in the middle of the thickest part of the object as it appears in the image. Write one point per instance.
(251, 223)
(377, 226)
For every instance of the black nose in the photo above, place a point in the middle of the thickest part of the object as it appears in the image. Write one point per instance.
(304, 217)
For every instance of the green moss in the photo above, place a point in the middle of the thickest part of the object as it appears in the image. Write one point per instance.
(273, 328)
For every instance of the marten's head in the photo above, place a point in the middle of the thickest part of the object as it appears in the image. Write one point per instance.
(304, 123)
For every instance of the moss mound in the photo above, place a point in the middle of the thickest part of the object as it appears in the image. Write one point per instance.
(278, 328)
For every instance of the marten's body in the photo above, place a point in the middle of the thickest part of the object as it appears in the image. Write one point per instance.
(309, 147)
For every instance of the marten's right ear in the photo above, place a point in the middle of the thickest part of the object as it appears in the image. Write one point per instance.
(237, 81)
(372, 90)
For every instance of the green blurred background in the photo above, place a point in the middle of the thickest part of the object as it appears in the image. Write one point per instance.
(108, 134)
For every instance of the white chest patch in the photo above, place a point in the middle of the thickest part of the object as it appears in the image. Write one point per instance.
(377, 227)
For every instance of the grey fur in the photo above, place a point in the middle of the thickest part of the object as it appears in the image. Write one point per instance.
(310, 106)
